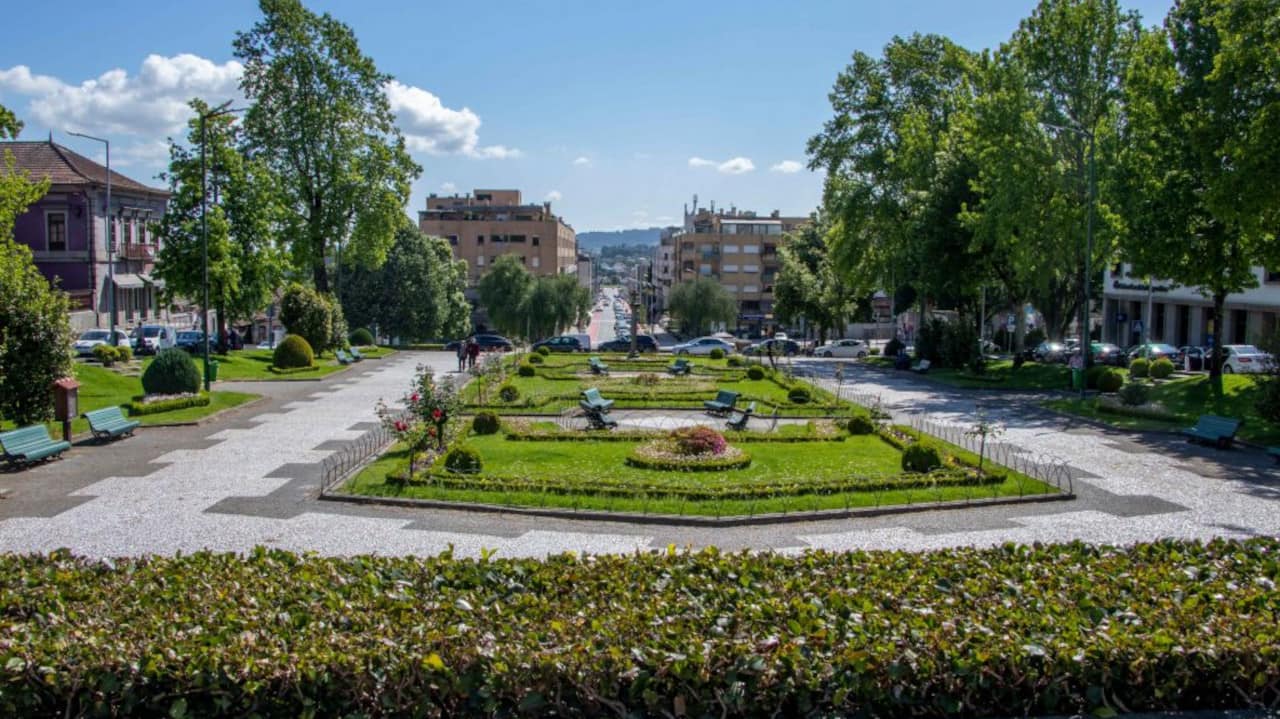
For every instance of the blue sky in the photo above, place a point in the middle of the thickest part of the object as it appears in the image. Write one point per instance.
(617, 111)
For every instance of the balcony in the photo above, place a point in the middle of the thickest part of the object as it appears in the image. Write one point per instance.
(144, 253)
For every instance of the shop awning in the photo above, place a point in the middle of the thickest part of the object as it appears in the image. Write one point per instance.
(152, 280)
(130, 281)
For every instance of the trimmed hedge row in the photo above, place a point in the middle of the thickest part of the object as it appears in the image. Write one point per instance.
(516, 434)
(1006, 631)
(137, 408)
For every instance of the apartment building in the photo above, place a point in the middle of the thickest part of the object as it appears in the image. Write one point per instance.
(486, 224)
(738, 249)
(1182, 315)
(663, 267)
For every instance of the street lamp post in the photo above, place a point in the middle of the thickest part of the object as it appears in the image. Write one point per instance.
(223, 109)
(1088, 252)
(111, 259)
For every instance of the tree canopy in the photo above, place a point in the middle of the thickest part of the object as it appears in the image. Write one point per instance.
(699, 303)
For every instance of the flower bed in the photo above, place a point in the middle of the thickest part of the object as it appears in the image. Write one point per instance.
(663, 455)
(157, 403)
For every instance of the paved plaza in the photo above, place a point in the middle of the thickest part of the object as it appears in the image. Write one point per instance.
(251, 477)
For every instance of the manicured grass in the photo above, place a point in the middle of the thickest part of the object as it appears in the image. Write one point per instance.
(1189, 398)
(1001, 375)
(255, 364)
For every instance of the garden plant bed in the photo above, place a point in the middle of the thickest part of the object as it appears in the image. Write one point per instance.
(1062, 629)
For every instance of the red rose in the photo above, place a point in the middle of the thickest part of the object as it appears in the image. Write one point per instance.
(401, 426)
(436, 414)
(413, 397)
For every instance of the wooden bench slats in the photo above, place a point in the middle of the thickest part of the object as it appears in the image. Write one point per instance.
(1220, 431)
(110, 422)
(30, 444)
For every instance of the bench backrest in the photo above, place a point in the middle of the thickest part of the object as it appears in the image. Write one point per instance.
(681, 362)
(104, 416)
(18, 439)
(594, 360)
(725, 396)
(592, 395)
(1221, 426)
(751, 408)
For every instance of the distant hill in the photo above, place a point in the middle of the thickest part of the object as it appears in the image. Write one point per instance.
(593, 241)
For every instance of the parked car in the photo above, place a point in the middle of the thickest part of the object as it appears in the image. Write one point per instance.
(562, 343)
(1153, 351)
(487, 342)
(1050, 351)
(92, 338)
(843, 348)
(190, 340)
(644, 343)
(1108, 354)
(1194, 358)
(1245, 359)
(150, 339)
(702, 346)
(780, 347)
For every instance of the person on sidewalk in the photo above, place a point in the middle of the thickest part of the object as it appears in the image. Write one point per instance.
(473, 351)
(462, 354)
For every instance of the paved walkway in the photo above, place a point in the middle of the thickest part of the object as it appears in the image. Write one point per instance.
(250, 478)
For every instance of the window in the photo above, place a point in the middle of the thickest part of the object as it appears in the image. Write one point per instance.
(534, 241)
(55, 231)
(729, 268)
(732, 289)
(453, 240)
(751, 269)
(750, 288)
(537, 261)
(479, 239)
(126, 227)
(142, 233)
(704, 270)
(751, 249)
(522, 259)
(728, 229)
(480, 261)
(730, 249)
(1272, 275)
(515, 238)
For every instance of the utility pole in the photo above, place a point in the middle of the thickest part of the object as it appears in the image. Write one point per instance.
(111, 245)
(222, 109)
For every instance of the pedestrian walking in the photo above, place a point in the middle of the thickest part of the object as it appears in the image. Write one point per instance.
(473, 351)
(462, 354)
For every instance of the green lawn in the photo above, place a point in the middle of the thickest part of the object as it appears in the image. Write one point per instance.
(1001, 375)
(1189, 398)
(789, 466)
(101, 387)
(255, 364)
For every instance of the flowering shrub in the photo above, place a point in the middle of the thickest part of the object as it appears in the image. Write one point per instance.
(692, 441)
(428, 410)
(647, 379)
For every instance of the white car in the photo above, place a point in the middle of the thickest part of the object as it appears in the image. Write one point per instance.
(150, 339)
(843, 348)
(1243, 359)
(702, 346)
(92, 338)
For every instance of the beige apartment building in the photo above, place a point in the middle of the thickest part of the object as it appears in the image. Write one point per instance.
(486, 224)
(739, 249)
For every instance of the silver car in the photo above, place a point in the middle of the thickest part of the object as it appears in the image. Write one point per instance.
(1245, 359)
(702, 346)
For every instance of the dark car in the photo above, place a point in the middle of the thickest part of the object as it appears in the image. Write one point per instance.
(779, 348)
(190, 340)
(644, 343)
(561, 343)
(1107, 354)
(1155, 350)
(488, 343)
(1195, 358)
(1049, 351)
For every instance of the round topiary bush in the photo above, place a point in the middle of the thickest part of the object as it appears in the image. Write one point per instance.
(508, 393)
(1161, 368)
(697, 441)
(920, 457)
(361, 337)
(543, 350)
(526, 370)
(1135, 394)
(755, 371)
(735, 361)
(861, 424)
(537, 358)
(799, 395)
(463, 460)
(1110, 381)
(171, 372)
(1139, 368)
(293, 351)
(1092, 374)
(485, 423)
(716, 354)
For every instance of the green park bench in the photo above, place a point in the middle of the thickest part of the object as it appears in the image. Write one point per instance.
(109, 423)
(597, 416)
(343, 357)
(679, 367)
(591, 397)
(1215, 430)
(355, 354)
(720, 406)
(740, 423)
(30, 444)
(597, 367)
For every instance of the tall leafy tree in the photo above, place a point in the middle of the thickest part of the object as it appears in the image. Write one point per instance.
(245, 265)
(322, 122)
(700, 302)
(808, 285)
(1192, 213)
(504, 292)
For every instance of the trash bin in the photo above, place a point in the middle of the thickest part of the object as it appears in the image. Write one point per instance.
(1077, 379)
(213, 370)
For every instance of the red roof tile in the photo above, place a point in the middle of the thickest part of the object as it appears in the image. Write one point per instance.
(65, 167)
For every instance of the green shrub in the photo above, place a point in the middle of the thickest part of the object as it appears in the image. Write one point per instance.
(920, 457)
(861, 424)
(1161, 368)
(799, 395)
(337, 324)
(106, 354)
(508, 393)
(1092, 374)
(123, 353)
(1139, 368)
(1268, 403)
(171, 372)
(485, 423)
(361, 337)
(1110, 381)
(138, 408)
(462, 459)
(307, 313)
(543, 350)
(735, 361)
(526, 370)
(537, 357)
(755, 372)
(874, 351)
(716, 354)
(647, 379)
(35, 326)
(293, 351)
(1134, 394)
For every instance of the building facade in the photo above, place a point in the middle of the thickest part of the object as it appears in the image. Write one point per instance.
(486, 224)
(67, 233)
(1182, 315)
(738, 249)
(663, 268)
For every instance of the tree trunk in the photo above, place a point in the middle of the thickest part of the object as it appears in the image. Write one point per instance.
(318, 273)
(1215, 363)
(1019, 327)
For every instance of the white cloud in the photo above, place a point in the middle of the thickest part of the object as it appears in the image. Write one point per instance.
(582, 161)
(554, 196)
(787, 167)
(147, 154)
(448, 187)
(734, 166)
(429, 126)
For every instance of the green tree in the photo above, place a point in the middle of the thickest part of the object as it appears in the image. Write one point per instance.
(308, 314)
(808, 285)
(245, 265)
(504, 293)
(699, 303)
(1191, 213)
(35, 337)
(418, 294)
(321, 121)
(17, 191)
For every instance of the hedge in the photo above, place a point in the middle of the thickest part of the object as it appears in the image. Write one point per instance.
(138, 408)
(1013, 630)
